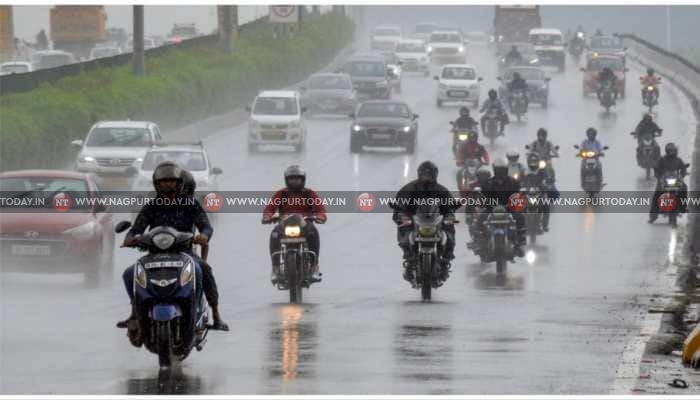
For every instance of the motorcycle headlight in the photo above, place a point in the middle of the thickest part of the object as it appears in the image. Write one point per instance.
(406, 129)
(650, 88)
(463, 136)
(595, 54)
(542, 164)
(580, 35)
(671, 181)
(187, 274)
(427, 230)
(292, 231)
(356, 128)
(163, 240)
(86, 159)
(84, 231)
(461, 49)
(140, 276)
(516, 176)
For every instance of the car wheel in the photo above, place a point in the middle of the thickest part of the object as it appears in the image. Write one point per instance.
(355, 146)
(439, 103)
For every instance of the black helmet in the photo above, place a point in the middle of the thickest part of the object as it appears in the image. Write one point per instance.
(500, 167)
(542, 134)
(294, 171)
(168, 170)
(647, 117)
(427, 168)
(671, 150)
(512, 155)
(650, 71)
(591, 133)
(492, 94)
(464, 112)
(533, 161)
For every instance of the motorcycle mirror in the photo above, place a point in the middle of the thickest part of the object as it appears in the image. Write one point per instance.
(576, 146)
(527, 146)
(605, 148)
(556, 147)
(122, 226)
(415, 116)
(216, 171)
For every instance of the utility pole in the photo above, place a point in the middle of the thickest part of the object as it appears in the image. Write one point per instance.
(226, 24)
(138, 59)
(316, 9)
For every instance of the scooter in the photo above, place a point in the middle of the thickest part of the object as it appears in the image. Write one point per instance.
(591, 170)
(648, 152)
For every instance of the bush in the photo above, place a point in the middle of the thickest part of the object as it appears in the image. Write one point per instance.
(181, 86)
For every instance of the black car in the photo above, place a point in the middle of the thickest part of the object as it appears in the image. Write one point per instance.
(370, 76)
(383, 123)
(537, 84)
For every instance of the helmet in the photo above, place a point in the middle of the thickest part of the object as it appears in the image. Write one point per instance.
(500, 167)
(294, 171)
(650, 71)
(168, 170)
(512, 155)
(427, 168)
(483, 173)
(492, 94)
(464, 112)
(591, 133)
(647, 117)
(671, 150)
(542, 134)
(533, 161)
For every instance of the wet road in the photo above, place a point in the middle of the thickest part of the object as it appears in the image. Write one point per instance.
(558, 324)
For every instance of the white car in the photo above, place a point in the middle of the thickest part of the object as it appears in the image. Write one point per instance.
(15, 67)
(51, 59)
(413, 54)
(458, 83)
(549, 46)
(276, 119)
(385, 37)
(104, 51)
(113, 149)
(447, 46)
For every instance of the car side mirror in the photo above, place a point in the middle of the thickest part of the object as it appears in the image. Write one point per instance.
(304, 109)
(122, 226)
(582, 69)
(547, 79)
(576, 147)
(399, 62)
(100, 208)
(415, 116)
(351, 115)
(605, 147)
(302, 88)
(625, 48)
(437, 78)
(77, 143)
(556, 147)
(498, 78)
(216, 171)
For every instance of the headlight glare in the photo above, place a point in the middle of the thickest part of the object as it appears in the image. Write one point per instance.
(356, 128)
(292, 231)
(427, 230)
(86, 159)
(406, 129)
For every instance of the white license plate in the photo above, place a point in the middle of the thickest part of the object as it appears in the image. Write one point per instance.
(381, 136)
(458, 93)
(30, 250)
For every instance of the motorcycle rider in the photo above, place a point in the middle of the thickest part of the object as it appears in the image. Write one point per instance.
(607, 75)
(545, 149)
(471, 149)
(668, 163)
(514, 163)
(592, 144)
(182, 215)
(295, 198)
(517, 83)
(513, 57)
(465, 121)
(651, 80)
(405, 206)
(494, 103)
(645, 128)
(538, 177)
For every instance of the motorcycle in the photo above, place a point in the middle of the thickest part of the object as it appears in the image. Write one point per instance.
(171, 310)
(296, 260)
(466, 176)
(576, 48)
(545, 160)
(650, 96)
(501, 230)
(591, 170)
(459, 136)
(648, 152)
(518, 104)
(492, 125)
(607, 96)
(533, 213)
(672, 183)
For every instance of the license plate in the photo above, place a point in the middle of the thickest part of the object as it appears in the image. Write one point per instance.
(499, 231)
(458, 93)
(273, 133)
(30, 250)
(381, 136)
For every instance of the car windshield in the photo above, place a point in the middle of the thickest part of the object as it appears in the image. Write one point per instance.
(366, 68)
(545, 39)
(387, 32)
(458, 73)
(410, 48)
(275, 106)
(425, 28)
(191, 160)
(606, 43)
(329, 82)
(119, 137)
(43, 189)
(54, 60)
(527, 74)
(14, 68)
(598, 64)
(391, 110)
(445, 38)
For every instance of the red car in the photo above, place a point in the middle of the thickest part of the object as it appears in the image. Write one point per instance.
(35, 237)
(593, 68)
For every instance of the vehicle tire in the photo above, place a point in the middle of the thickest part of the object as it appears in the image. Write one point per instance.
(293, 278)
(252, 148)
(533, 238)
(439, 103)
(426, 277)
(499, 250)
(164, 345)
(355, 146)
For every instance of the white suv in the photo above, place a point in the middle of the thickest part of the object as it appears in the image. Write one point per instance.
(276, 119)
(413, 54)
(549, 46)
(447, 46)
(458, 83)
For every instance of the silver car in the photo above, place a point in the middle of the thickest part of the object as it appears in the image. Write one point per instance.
(329, 94)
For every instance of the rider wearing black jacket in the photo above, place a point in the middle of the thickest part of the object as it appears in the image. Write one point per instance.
(465, 121)
(668, 163)
(539, 178)
(500, 187)
(517, 84)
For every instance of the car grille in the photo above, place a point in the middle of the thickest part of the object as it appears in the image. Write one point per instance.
(381, 134)
(445, 50)
(55, 247)
(273, 126)
(115, 162)
(273, 135)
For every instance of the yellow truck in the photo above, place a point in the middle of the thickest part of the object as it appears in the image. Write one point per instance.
(7, 33)
(76, 29)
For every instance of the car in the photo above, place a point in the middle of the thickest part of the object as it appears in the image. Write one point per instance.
(549, 46)
(104, 51)
(604, 46)
(593, 68)
(51, 59)
(413, 54)
(15, 67)
(182, 31)
(276, 119)
(35, 238)
(447, 46)
(385, 37)
(393, 65)
(329, 93)
(537, 84)
(385, 123)
(458, 83)
(112, 148)
(526, 50)
(370, 76)
(191, 156)
(423, 30)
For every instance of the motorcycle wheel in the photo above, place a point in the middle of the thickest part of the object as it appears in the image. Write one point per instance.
(533, 238)
(164, 345)
(293, 278)
(426, 277)
(501, 262)
(673, 220)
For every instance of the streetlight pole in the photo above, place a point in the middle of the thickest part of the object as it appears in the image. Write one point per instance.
(138, 56)
(668, 28)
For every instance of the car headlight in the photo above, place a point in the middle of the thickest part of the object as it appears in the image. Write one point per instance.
(84, 231)
(140, 276)
(187, 274)
(671, 181)
(544, 87)
(442, 86)
(595, 54)
(163, 240)
(138, 160)
(427, 230)
(356, 128)
(430, 49)
(461, 49)
(86, 159)
(292, 231)
(516, 176)
(406, 129)
(534, 61)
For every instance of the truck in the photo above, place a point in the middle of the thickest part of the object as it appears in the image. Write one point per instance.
(76, 29)
(513, 23)
(7, 33)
